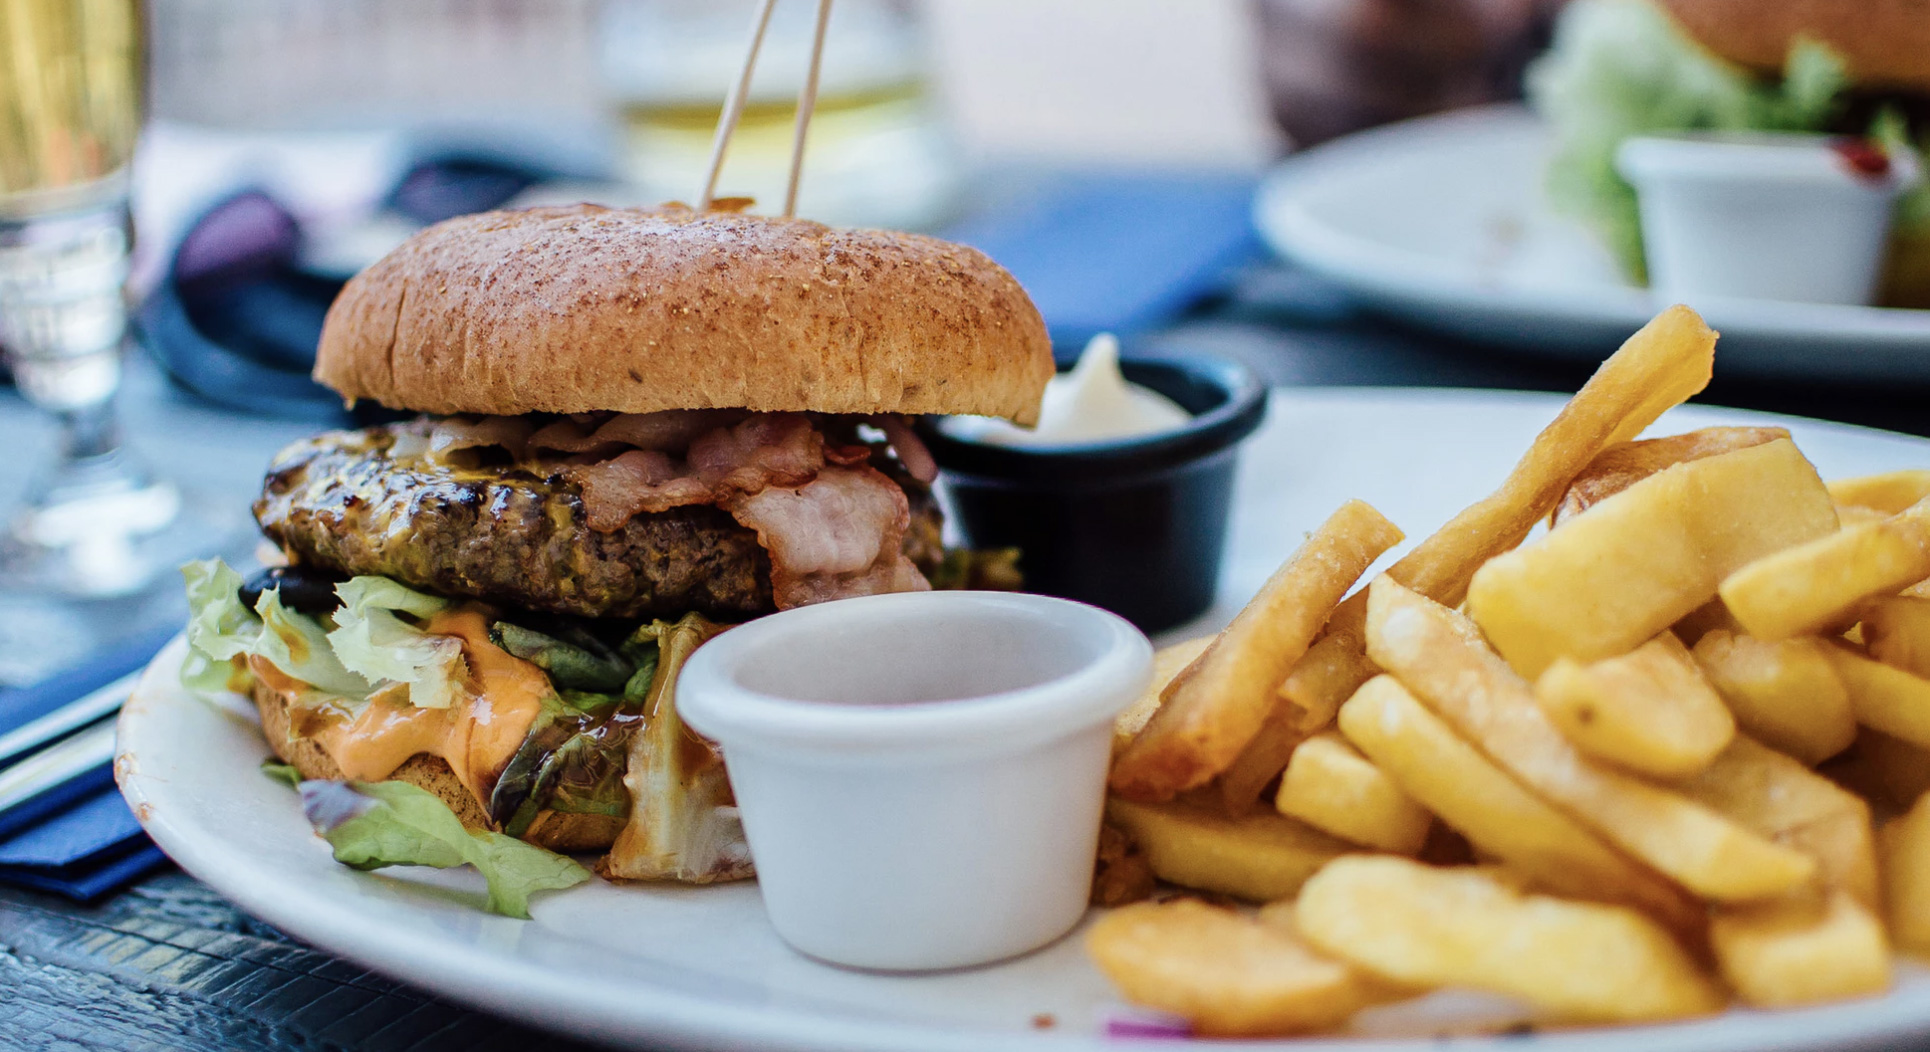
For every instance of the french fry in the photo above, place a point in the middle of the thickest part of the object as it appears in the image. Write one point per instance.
(1801, 950)
(1648, 710)
(1817, 586)
(1662, 365)
(1333, 666)
(1332, 787)
(1436, 653)
(1779, 798)
(1889, 699)
(1857, 515)
(1705, 619)
(1215, 706)
(1167, 663)
(1787, 694)
(1229, 974)
(1619, 467)
(1896, 631)
(1422, 926)
(1905, 845)
(1888, 493)
(1454, 780)
(1890, 772)
(1259, 857)
(1603, 583)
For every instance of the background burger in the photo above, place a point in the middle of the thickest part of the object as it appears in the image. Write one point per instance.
(637, 427)
(1621, 68)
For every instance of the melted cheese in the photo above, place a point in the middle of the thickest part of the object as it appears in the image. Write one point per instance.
(475, 736)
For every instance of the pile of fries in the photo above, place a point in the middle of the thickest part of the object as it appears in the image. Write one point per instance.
(1667, 756)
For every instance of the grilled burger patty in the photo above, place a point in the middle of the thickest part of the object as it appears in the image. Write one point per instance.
(340, 502)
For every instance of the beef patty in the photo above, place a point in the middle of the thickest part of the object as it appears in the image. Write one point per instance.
(341, 502)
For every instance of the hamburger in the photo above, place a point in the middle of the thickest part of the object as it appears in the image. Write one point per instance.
(623, 431)
(1621, 68)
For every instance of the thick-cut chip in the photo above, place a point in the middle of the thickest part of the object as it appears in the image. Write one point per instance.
(1896, 631)
(1228, 974)
(1167, 663)
(1905, 846)
(1787, 694)
(1332, 787)
(1801, 950)
(1619, 467)
(1705, 619)
(1889, 699)
(1213, 709)
(1778, 797)
(1603, 583)
(1500, 818)
(1661, 366)
(1648, 710)
(1888, 493)
(1422, 926)
(1818, 586)
(1437, 654)
(1889, 772)
(1259, 857)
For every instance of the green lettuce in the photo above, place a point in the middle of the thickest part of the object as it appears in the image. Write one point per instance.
(284, 773)
(222, 628)
(1620, 68)
(375, 824)
(581, 662)
(372, 641)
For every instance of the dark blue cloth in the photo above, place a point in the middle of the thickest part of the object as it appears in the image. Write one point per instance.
(78, 839)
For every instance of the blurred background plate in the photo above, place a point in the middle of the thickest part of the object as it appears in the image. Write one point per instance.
(695, 967)
(1442, 222)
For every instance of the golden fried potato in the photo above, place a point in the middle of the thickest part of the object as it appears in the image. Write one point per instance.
(1889, 699)
(1896, 631)
(1167, 663)
(1818, 586)
(1904, 843)
(1229, 974)
(1888, 493)
(1503, 820)
(1120, 873)
(1787, 693)
(1648, 710)
(1215, 706)
(1801, 950)
(1705, 619)
(1619, 467)
(1661, 366)
(1422, 926)
(1890, 772)
(1259, 857)
(1332, 787)
(1438, 654)
(1776, 796)
(1603, 583)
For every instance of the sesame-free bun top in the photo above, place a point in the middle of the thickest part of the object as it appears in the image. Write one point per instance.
(1885, 42)
(585, 308)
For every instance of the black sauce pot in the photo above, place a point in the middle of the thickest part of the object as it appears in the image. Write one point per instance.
(1134, 525)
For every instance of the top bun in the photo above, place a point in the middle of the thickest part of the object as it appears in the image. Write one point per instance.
(1886, 42)
(584, 308)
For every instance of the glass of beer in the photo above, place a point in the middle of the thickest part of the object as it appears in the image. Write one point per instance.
(96, 524)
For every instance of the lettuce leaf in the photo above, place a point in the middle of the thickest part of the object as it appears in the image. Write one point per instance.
(370, 640)
(284, 773)
(298, 645)
(221, 628)
(582, 664)
(375, 824)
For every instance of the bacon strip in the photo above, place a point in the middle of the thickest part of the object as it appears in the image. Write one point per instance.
(772, 449)
(838, 536)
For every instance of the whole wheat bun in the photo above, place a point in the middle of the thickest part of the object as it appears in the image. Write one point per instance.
(569, 833)
(1885, 42)
(584, 308)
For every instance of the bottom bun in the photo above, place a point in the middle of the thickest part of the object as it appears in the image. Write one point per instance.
(570, 833)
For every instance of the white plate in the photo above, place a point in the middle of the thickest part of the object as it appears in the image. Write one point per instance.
(1443, 222)
(700, 967)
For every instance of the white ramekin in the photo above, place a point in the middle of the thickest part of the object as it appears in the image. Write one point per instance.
(921, 775)
(1781, 217)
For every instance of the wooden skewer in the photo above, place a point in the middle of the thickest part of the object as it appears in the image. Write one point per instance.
(807, 101)
(734, 105)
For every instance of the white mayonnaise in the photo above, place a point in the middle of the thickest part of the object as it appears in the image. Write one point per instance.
(1092, 403)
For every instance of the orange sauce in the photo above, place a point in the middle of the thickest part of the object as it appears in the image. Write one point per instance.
(476, 735)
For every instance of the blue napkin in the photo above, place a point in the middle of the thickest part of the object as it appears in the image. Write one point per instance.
(78, 839)
(1120, 252)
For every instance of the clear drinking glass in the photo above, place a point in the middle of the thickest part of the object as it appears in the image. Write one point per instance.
(97, 524)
